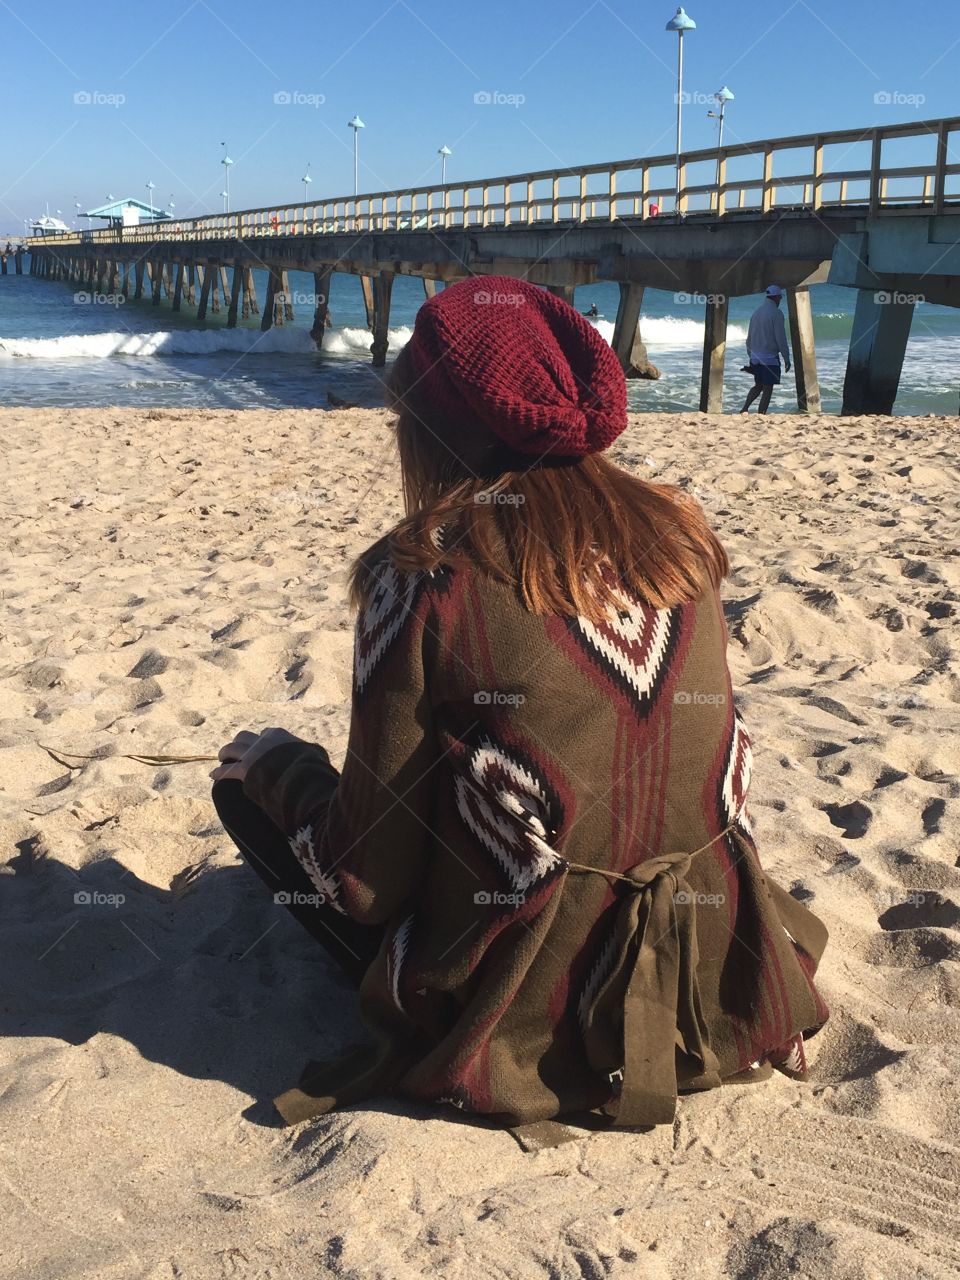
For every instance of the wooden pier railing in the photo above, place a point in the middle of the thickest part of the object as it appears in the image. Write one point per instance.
(847, 169)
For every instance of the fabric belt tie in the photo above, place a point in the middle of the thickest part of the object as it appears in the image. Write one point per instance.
(653, 984)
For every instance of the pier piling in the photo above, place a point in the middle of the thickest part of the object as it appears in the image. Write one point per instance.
(804, 351)
(382, 291)
(878, 343)
(714, 353)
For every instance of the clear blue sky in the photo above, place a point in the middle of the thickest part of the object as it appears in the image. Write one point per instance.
(597, 81)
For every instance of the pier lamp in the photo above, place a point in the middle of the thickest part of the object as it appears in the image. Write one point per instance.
(151, 187)
(226, 162)
(721, 98)
(356, 124)
(443, 153)
(78, 206)
(306, 180)
(680, 22)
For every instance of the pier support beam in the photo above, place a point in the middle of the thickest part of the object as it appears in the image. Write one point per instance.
(804, 352)
(270, 304)
(204, 293)
(287, 297)
(178, 286)
(429, 288)
(156, 279)
(250, 305)
(564, 291)
(366, 284)
(382, 290)
(877, 347)
(627, 342)
(321, 302)
(714, 353)
(234, 294)
(138, 278)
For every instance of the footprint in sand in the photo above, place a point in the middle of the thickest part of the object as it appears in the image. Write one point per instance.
(921, 911)
(854, 819)
(933, 811)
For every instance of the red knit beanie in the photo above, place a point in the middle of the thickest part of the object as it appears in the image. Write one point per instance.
(506, 354)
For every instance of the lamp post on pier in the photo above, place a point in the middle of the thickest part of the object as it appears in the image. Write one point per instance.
(151, 187)
(356, 124)
(443, 153)
(680, 22)
(306, 180)
(226, 162)
(721, 97)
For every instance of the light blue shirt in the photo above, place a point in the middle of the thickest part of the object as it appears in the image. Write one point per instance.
(767, 335)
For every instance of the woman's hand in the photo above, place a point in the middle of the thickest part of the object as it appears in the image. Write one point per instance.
(247, 747)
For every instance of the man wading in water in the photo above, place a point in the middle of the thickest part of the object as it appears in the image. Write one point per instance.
(766, 343)
(536, 863)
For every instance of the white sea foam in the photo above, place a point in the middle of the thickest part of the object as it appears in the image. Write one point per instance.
(350, 342)
(356, 341)
(185, 342)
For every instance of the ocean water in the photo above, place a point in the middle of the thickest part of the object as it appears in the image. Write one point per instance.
(58, 349)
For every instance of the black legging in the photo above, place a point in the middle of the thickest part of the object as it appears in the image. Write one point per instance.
(267, 851)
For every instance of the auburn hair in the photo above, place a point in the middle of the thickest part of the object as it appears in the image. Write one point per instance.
(572, 535)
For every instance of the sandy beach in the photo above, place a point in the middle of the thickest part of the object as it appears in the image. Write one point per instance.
(170, 577)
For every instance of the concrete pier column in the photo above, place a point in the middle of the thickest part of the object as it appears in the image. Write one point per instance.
(250, 305)
(382, 290)
(214, 274)
(138, 278)
(18, 258)
(429, 288)
(178, 286)
(156, 280)
(627, 342)
(804, 352)
(881, 327)
(270, 303)
(204, 293)
(194, 277)
(321, 302)
(286, 298)
(714, 353)
(366, 284)
(234, 295)
(225, 286)
(564, 291)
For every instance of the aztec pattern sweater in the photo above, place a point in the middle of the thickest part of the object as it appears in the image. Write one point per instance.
(548, 817)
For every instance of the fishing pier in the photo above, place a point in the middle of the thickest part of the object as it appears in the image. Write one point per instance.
(840, 208)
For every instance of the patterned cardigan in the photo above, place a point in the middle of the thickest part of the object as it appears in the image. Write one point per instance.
(547, 815)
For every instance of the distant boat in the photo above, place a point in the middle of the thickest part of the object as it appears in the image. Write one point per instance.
(47, 226)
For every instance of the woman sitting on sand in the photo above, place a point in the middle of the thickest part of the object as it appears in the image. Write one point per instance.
(536, 862)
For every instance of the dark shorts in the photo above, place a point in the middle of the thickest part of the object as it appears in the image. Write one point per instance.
(766, 375)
